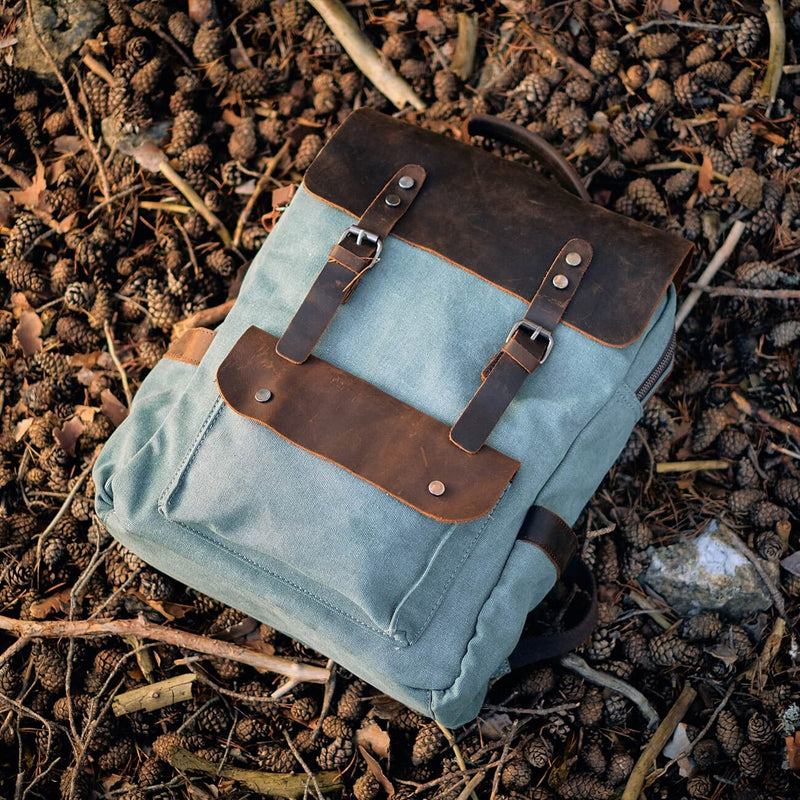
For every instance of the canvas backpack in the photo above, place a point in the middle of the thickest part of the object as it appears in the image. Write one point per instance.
(432, 362)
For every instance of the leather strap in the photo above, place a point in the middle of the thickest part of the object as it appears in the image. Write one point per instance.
(510, 133)
(526, 349)
(357, 251)
(191, 346)
(549, 532)
(583, 613)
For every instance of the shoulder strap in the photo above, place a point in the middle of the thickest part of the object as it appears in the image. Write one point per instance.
(532, 649)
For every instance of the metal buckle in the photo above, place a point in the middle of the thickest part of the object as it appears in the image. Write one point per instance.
(360, 235)
(535, 331)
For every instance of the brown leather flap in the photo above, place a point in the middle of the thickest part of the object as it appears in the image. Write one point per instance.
(503, 221)
(350, 422)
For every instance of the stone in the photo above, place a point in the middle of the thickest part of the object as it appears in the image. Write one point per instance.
(708, 573)
(63, 25)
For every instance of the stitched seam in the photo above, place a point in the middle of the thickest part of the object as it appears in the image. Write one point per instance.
(457, 568)
(208, 424)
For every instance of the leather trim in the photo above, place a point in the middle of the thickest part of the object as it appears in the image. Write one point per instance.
(549, 532)
(501, 220)
(524, 351)
(345, 420)
(347, 262)
(191, 346)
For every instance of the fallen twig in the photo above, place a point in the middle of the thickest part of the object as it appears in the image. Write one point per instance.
(147, 630)
(105, 186)
(365, 56)
(311, 776)
(665, 165)
(463, 61)
(112, 351)
(263, 181)
(746, 291)
(676, 23)
(532, 712)
(281, 784)
(781, 425)
(472, 784)
(98, 68)
(462, 765)
(691, 466)
(777, 599)
(578, 665)
(716, 263)
(155, 695)
(760, 669)
(545, 46)
(656, 744)
(777, 52)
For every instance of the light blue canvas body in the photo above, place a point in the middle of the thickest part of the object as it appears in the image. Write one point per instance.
(424, 610)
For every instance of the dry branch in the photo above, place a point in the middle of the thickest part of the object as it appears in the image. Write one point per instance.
(155, 695)
(777, 52)
(282, 784)
(656, 744)
(146, 630)
(714, 266)
(463, 61)
(578, 665)
(691, 466)
(781, 425)
(365, 56)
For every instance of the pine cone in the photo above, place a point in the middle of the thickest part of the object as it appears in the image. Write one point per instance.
(701, 54)
(242, 144)
(645, 195)
(745, 185)
(604, 62)
(307, 151)
(118, 756)
(275, 758)
(182, 28)
(748, 36)
(185, 131)
(336, 728)
(764, 514)
(751, 763)
(590, 710)
(681, 183)
(516, 775)
(702, 627)
(759, 729)
(250, 82)
(397, 46)
(538, 752)
(366, 787)
(656, 45)
(620, 766)
(714, 74)
(207, 45)
(429, 740)
(731, 443)
(669, 650)
(214, 720)
(699, 786)
(445, 85)
(738, 144)
(729, 734)
(51, 667)
(336, 755)
(584, 786)
(711, 423)
(706, 753)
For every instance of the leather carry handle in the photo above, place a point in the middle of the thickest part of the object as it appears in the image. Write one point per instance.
(532, 649)
(510, 133)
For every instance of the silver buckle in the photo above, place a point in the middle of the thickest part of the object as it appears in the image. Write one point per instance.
(536, 331)
(360, 235)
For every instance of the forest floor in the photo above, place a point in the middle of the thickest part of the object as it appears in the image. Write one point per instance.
(680, 114)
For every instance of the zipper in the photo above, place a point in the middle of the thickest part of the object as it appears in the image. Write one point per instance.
(661, 368)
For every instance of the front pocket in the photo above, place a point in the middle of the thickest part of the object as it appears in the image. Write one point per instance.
(349, 535)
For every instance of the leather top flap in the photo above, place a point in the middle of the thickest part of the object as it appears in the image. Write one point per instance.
(346, 420)
(503, 221)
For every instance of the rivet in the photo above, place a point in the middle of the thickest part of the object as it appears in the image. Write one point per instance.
(263, 395)
(573, 259)
(406, 182)
(392, 200)
(436, 488)
(560, 281)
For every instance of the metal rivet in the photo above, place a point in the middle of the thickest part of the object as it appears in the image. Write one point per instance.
(263, 395)
(436, 488)
(560, 281)
(573, 259)
(406, 182)
(392, 200)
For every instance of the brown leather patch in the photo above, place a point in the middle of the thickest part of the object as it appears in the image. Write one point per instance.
(350, 422)
(191, 347)
(503, 221)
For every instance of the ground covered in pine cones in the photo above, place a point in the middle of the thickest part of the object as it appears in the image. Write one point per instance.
(101, 255)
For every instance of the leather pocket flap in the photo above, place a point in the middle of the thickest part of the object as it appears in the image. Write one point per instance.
(346, 420)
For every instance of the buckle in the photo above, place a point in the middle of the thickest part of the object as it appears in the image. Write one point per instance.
(360, 235)
(535, 331)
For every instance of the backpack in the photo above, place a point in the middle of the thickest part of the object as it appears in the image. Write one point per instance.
(432, 362)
